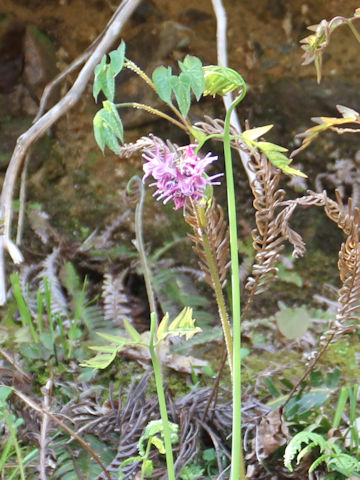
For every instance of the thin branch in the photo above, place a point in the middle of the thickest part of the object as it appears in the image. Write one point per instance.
(42, 125)
(12, 362)
(22, 200)
(72, 67)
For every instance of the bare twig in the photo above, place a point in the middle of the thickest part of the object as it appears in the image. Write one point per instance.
(41, 126)
(22, 200)
(73, 66)
(12, 362)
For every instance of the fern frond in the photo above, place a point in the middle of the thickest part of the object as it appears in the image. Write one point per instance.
(294, 448)
(49, 270)
(267, 237)
(26, 279)
(349, 268)
(343, 463)
(215, 126)
(347, 219)
(216, 229)
(116, 302)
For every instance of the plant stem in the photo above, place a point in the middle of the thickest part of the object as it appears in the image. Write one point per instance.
(145, 458)
(201, 218)
(132, 66)
(140, 245)
(12, 431)
(354, 31)
(154, 111)
(237, 459)
(162, 401)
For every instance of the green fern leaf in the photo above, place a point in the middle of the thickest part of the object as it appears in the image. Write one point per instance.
(295, 446)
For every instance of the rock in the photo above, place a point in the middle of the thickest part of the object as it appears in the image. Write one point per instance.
(40, 60)
(11, 54)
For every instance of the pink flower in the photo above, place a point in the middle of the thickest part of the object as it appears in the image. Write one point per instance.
(179, 173)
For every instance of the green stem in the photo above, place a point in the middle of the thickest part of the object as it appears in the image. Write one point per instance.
(154, 111)
(145, 458)
(140, 245)
(237, 463)
(162, 401)
(354, 31)
(132, 66)
(201, 218)
(12, 432)
(219, 136)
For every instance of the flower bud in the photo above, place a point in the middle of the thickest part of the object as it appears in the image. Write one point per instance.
(221, 80)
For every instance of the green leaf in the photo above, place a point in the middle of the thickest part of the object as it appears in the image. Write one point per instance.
(192, 66)
(152, 428)
(105, 73)
(147, 468)
(158, 443)
(184, 324)
(293, 322)
(161, 78)
(282, 162)
(109, 85)
(101, 361)
(289, 276)
(267, 146)
(114, 120)
(199, 136)
(105, 348)
(131, 460)
(4, 393)
(108, 128)
(222, 80)
(181, 89)
(161, 332)
(104, 80)
(307, 402)
(134, 335)
(120, 341)
(343, 463)
(100, 77)
(98, 131)
(117, 58)
(255, 133)
(295, 446)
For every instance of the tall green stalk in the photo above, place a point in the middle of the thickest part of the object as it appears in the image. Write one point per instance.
(162, 402)
(237, 458)
(153, 327)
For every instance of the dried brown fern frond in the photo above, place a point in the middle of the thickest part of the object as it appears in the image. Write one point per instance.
(130, 149)
(267, 237)
(343, 216)
(215, 126)
(349, 269)
(347, 219)
(214, 227)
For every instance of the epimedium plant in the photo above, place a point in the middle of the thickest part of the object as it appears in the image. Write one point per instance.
(179, 175)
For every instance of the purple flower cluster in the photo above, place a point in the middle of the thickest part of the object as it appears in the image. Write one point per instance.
(179, 174)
